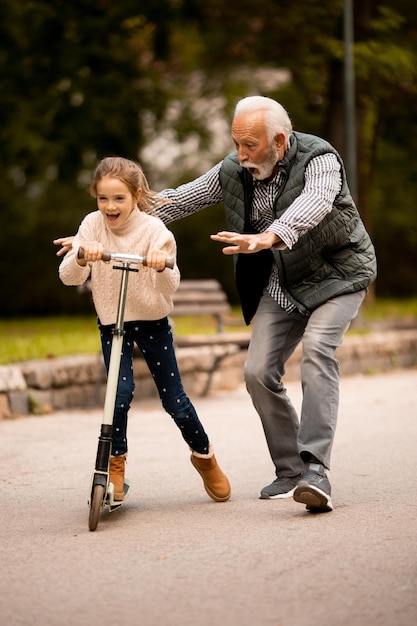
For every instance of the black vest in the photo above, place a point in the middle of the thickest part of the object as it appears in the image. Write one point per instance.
(334, 258)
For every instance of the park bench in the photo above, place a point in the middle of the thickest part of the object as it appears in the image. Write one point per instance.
(206, 297)
(196, 297)
(201, 297)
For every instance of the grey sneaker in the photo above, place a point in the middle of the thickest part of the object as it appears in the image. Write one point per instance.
(281, 488)
(314, 489)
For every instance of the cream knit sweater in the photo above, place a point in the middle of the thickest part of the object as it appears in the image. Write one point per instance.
(149, 295)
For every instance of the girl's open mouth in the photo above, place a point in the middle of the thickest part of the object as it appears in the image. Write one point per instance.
(112, 217)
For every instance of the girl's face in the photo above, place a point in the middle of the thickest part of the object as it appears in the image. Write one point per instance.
(115, 201)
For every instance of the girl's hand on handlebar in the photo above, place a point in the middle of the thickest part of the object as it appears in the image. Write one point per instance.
(93, 251)
(156, 260)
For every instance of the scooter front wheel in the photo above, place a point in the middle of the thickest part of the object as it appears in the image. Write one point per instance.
(97, 497)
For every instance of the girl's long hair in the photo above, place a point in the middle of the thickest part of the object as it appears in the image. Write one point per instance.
(131, 174)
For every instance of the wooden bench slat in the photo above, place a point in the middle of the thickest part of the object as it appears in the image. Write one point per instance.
(201, 297)
(191, 296)
(198, 309)
(209, 284)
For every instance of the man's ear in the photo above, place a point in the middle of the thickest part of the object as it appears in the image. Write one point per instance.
(279, 140)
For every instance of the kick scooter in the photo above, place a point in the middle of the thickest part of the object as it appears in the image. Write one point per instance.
(101, 489)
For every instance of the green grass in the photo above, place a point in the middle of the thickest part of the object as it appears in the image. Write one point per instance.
(390, 309)
(43, 338)
(28, 339)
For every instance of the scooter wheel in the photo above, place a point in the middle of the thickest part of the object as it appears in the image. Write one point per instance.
(97, 497)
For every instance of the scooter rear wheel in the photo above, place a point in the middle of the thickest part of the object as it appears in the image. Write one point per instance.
(97, 496)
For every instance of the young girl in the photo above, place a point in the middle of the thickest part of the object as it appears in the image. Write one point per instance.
(123, 224)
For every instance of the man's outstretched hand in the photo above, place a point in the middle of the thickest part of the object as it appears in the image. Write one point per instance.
(65, 242)
(245, 244)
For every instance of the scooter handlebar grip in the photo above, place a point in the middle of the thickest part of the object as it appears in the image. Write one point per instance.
(106, 256)
(169, 262)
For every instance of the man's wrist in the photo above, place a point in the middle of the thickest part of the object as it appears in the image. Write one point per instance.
(273, 239)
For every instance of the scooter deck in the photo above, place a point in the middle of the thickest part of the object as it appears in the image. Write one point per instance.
(116, 504)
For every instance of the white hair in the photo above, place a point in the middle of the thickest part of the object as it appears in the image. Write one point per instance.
(276, 117)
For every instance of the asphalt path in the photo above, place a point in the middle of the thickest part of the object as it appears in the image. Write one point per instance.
(172, 557)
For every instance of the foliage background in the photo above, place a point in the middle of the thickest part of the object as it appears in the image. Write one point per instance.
(158, 82)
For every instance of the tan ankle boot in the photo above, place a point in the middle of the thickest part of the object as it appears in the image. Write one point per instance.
(215, 482)
(117, 475)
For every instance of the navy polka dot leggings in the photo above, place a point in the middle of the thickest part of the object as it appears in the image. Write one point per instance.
(154, 340)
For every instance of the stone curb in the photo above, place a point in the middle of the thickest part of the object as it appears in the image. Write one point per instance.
(79, 381)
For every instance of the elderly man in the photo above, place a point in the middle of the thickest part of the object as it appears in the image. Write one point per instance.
(303, 262)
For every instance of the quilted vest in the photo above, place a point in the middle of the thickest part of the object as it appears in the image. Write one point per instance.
(336, 257)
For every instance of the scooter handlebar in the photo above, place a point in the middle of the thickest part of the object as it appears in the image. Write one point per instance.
(127, 258)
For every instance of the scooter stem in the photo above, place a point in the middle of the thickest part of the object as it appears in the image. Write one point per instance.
(116, 349)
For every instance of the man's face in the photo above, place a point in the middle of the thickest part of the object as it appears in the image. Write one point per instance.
(254, 150)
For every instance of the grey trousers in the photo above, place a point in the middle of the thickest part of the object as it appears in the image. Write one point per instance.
(275, 336)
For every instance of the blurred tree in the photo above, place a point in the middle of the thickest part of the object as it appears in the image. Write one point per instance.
(74, 76)
(307, 39)
(87, 78)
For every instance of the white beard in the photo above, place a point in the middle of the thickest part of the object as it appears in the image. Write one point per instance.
(266, 168)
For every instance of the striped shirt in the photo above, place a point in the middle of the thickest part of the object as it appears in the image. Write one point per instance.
(322, 184)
